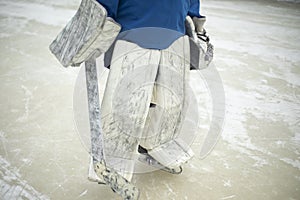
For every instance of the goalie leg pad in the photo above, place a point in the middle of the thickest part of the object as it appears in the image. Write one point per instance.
(126, 103)
(165, 134)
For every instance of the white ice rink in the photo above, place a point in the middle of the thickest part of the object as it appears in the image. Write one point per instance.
(257, 53)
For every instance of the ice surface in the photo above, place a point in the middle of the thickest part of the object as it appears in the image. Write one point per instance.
(257, 53)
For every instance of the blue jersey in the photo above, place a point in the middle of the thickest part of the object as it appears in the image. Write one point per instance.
(167, 14)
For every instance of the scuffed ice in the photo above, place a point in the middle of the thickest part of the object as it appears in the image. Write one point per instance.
(13, 187)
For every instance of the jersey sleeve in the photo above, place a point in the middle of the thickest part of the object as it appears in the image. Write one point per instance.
(194, 10)
(111, 7)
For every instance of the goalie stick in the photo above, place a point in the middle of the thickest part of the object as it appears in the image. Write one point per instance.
(117, 183)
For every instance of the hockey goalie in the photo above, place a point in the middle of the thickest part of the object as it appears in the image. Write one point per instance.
(149, 48)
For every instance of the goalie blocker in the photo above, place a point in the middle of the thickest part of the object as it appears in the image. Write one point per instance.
(89, 33)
